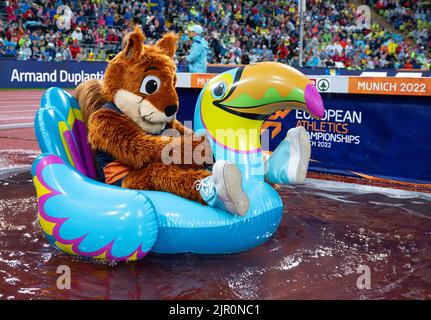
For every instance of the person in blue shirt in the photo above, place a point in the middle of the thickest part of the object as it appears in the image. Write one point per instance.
(10, 51)
(109, 18)
(2, 49)
(197, 57)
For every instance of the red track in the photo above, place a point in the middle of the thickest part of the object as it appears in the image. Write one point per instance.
(18, 146)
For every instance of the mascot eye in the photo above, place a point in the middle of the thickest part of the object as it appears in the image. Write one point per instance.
(150, 85)
(219, 90)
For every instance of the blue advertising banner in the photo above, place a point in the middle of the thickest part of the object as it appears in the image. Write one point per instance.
(33, 74)
(68, 74)
(324, 71)
(370, 135)
(361, 135)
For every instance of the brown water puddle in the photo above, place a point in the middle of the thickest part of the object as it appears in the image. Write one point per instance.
(328, 230)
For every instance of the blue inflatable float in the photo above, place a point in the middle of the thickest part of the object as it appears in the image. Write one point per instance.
(84, 217)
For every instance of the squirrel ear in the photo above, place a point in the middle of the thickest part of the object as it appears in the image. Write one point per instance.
(133, 44)
(168, 44)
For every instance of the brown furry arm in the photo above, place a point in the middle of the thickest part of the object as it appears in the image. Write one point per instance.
(120, 136)
(176, 125)
(186, 136)
(200, 152)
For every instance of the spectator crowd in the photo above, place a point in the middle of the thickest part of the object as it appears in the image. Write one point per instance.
(238, 32)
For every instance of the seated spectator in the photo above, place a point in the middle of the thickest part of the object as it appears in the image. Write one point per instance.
(25, 53)
(81, 56)
(10, 51)
(89, 37)
(91, 56)
(74, 49)
(50, 51)
(112, 36)
(101, 21)
(77, 34)
(65, 52)
(58, 57)
(109, 19)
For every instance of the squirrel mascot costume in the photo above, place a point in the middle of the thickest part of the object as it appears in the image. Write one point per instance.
(127, 114)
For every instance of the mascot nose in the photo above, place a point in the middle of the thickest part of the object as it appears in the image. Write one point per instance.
(170, 110)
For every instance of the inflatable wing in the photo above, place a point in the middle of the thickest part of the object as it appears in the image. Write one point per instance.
(90, 219)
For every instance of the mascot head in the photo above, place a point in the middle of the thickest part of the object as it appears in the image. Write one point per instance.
(141, 79)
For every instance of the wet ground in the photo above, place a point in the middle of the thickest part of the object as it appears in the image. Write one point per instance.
(328, 230)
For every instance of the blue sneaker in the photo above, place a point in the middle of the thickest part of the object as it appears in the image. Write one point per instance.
(288, 164)
(223, 189)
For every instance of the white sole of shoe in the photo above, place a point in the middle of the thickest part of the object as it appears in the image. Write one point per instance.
(300, 150)
(232, 179)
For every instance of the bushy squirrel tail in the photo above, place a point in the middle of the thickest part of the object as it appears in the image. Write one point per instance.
(90, 97)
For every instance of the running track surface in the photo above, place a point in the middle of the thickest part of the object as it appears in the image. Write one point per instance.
(18, 146)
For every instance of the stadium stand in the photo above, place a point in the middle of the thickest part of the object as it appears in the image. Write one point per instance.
(238, 33)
